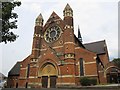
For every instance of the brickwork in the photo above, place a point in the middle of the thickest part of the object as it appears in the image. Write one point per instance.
(54, 57)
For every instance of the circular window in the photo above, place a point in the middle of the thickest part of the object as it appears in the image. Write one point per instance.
(52, 34)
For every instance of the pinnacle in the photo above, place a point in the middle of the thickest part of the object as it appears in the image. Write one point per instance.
(79, 35)
(67, 7)
(39, 17)
(39, 20)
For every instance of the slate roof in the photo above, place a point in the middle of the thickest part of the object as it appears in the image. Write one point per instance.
(15, 70)
(97, 47)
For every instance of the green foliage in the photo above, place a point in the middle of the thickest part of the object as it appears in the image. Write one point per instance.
(87, 81)
(9, 21)
(84, 81)
(93, 81)
(117, 62)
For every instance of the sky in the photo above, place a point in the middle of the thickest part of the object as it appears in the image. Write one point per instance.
(97, 19)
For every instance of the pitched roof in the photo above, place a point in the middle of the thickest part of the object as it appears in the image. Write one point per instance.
(97, 47)
(15, 70)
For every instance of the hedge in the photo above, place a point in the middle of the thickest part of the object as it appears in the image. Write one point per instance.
(85, 81)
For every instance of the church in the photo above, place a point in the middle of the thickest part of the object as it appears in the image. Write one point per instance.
(58, 57)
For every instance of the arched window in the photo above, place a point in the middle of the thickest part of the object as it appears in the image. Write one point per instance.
(81, 67)
(28, 70)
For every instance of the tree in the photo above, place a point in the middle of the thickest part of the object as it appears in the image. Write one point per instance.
(9, 19)
(117, 62)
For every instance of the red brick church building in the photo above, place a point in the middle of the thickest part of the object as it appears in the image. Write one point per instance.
(58, 57)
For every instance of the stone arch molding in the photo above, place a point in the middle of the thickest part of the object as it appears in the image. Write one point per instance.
(48, 69)
(110, 68)
(105, 70)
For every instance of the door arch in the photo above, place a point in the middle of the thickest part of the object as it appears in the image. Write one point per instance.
(49, 75)
(113, 74)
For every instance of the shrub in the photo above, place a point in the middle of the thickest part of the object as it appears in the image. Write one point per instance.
(87, 81)
(93, 81)
(84, 81)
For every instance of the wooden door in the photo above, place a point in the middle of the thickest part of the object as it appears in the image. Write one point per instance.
(44, 81)
(53, 81)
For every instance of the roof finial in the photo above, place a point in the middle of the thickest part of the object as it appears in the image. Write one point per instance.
(39, 20)
(79, 35)
(68, 11)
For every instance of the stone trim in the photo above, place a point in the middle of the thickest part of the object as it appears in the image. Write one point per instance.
(90, 62)
(77, 47)
(52, 47)
(90, 75)
(69, 43)
(37, 35)
(22, 78)
(66, 76)
(66, 63)
(34, 84)
(33, 77)
(57, 47)
(35, 49)
(68, 26)
(65, 83)
(43, 49)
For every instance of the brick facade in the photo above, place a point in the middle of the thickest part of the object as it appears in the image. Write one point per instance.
(56, 62)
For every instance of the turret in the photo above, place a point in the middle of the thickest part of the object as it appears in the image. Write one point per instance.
(68, 11)
(37, 37)
(69, 41)
(39, 20)
(68, 15)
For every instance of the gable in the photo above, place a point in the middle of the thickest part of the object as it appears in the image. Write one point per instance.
(53, 19)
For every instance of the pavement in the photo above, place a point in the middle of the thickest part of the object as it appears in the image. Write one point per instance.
(97, 87)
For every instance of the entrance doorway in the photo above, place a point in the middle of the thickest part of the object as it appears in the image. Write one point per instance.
(49, 76)
(49, 82)
(53, 81)
(113, 75)
(44, 81)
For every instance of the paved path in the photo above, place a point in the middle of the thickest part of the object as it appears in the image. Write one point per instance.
(65, 89)
(110, 87)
